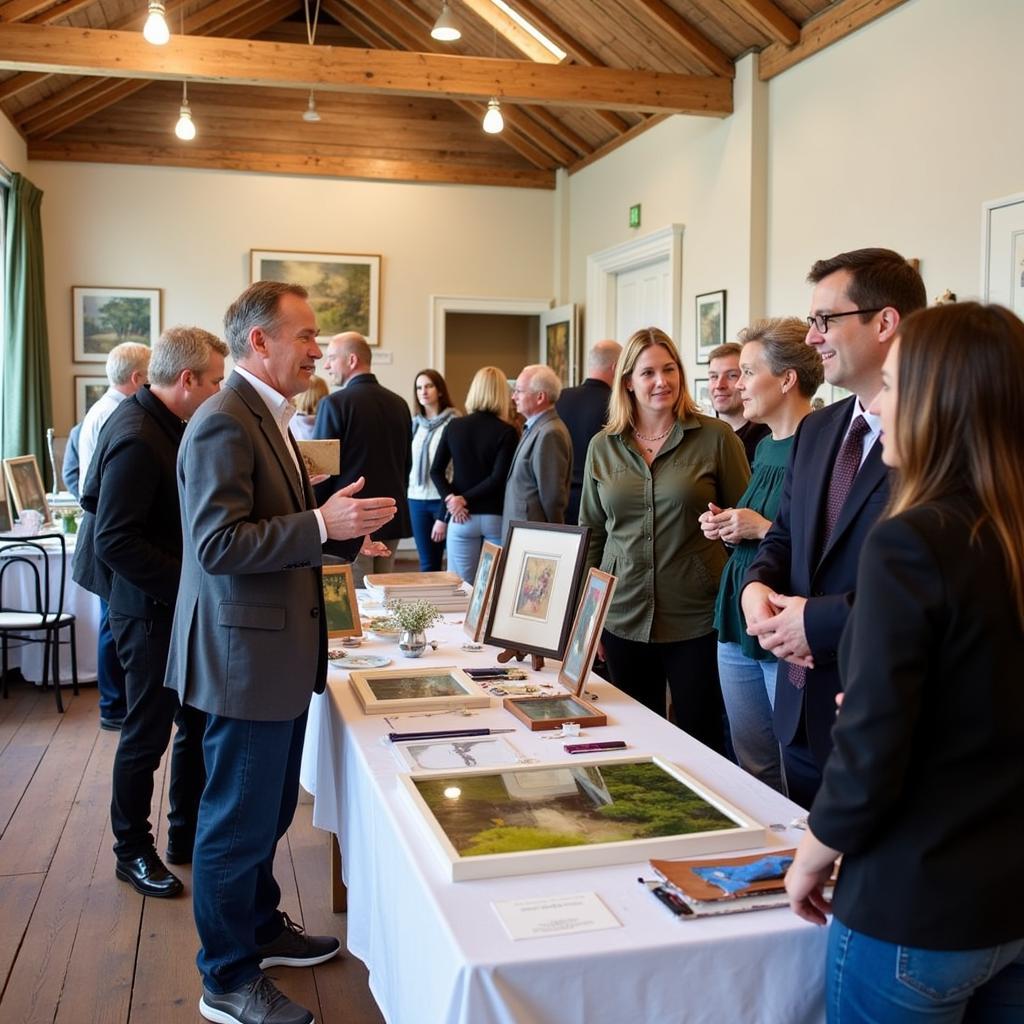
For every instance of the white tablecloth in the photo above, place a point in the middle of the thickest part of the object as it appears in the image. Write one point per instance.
(84, 606)
(436, 950)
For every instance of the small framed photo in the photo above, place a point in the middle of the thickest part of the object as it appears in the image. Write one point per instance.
(710, 324)
(539, 575)
(391, 691)
(483, 587)
(26, 485)
(702, 395)
(457, 753)
(88, 391)
(558, 342)
(340, 602)
(586, 630)
(542, 713)
(344, 288)
(104, 317)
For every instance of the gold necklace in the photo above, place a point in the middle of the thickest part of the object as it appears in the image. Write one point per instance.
(655, 437)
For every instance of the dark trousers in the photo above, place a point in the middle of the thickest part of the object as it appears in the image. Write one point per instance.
(424, 514)
(142, 646)
(252, 787)
(109, 674)
(803, 776)
(691, 669)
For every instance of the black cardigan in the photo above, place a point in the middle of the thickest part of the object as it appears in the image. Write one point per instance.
(479, 447)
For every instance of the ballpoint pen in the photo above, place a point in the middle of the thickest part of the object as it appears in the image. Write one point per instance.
(442, 734)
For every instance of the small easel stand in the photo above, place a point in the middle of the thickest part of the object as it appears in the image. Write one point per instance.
(536, 660)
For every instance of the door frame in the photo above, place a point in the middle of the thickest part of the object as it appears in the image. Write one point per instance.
(987, 209)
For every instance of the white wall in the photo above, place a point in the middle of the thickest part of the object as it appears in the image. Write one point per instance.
(12, 147)
(189, 232)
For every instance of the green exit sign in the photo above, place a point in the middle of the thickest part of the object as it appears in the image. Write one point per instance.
(634, 216)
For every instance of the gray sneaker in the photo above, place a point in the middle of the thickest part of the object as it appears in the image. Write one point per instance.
(256, 1002)
(294, 948)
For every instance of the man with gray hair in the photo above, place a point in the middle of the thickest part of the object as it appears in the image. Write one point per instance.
(537, 488)
(133, 530)
(584, 411)
(127, 366)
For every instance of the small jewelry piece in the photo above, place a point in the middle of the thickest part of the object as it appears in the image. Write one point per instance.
(655, 437)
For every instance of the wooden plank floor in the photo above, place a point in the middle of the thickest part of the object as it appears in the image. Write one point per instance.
(77, 946)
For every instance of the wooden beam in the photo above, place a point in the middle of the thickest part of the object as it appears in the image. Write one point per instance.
(775, 24)
(60, 50)
(511, 30)
(562, 131)
(699, 46)
(833, 24)
(608, 147)
(290, 163)
(22, 10)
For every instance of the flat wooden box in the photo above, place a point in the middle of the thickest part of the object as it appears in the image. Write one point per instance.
(472, 697)
(593, 718)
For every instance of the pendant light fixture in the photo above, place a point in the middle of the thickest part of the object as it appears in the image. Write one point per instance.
(185, 129)
(311, 115)
(494, 123)
(446, 28)
(155, 30)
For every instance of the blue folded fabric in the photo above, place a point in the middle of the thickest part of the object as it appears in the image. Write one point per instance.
(732, 878)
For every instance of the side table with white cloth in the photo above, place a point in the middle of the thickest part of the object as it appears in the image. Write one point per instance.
(436, 950)
(83, 605)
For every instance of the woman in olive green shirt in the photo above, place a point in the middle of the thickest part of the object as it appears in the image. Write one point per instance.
(649, 476)
(779, 374)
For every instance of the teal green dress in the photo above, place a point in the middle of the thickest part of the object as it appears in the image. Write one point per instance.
(763, 494)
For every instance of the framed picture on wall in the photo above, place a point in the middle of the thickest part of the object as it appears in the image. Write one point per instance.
(88, 390)
(344, 289)
(104, 317)
(558, 330)
(702, 395)
(710, 324)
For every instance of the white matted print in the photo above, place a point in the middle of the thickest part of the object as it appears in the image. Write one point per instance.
(104, 317)
(457, 753)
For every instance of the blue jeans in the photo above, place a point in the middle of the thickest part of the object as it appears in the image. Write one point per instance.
(748, 688)
(252, 788)
(424, 514)
(109, 674)
(873, 982)
(465, 541)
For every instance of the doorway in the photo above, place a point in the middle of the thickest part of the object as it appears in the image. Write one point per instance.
(506, 340)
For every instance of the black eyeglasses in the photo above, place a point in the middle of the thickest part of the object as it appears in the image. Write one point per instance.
(821, 320)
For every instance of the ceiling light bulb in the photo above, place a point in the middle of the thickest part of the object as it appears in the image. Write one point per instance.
(185, 129)
(310, 114)
(156, 30)
(493, 121)
(446, 29)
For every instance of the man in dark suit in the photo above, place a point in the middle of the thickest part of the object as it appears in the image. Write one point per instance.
(134, 525)
(537, 488)
(249, 643)
(375, 429)
(584, 411)
(800, 588)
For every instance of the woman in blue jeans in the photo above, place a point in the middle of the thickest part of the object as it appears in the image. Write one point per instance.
(779, 374)
(432, 412)
(923, 795)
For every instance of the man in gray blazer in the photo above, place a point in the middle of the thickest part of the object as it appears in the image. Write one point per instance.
(249, 643)
(537, 488)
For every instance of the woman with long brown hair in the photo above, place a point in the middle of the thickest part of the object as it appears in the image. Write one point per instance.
(650, 474)
(923, 794)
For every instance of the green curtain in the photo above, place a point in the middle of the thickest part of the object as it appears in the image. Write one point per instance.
(27, 399)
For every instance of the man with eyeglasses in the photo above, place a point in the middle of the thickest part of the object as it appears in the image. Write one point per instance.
(800, 588)
(727, 399)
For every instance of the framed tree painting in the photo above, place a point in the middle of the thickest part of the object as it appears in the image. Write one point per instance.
(104, 317)
(710, 324)
(88, 391)
(344, 289)
(340, 602)
(558, 329)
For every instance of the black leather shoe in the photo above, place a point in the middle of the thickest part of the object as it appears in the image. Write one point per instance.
(294, 948)
(256, 1002)
(147, 874)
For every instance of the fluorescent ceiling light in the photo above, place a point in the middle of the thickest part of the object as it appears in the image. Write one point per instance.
(528, 26)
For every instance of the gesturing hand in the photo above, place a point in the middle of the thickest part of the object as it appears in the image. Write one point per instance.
(346, 517)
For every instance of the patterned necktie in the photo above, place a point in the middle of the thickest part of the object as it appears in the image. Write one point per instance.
(844, 472)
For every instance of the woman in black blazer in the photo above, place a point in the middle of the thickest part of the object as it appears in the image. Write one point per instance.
(923, 794)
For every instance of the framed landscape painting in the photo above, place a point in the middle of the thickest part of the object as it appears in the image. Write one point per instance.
(493, 822)
(104, 317)
(88, 390)
(340, 602)
(344, 289)
(710, 324)
(558, 342)
(26, 486)
(586, 630)
(483, 587)
(390, 691)
(544, 713)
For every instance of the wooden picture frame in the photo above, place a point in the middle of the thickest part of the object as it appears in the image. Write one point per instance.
(104, 317)
(340, 602)
(6, 519)
(539, 576)
(540, 714)
(344, 288)
(88, 391)
(432, 688)
(698, 821)
(558, 345)
(585, 635)
(483, 590)
(710, 312)
(26, 486)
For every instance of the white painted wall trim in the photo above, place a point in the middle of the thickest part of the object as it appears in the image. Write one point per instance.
(987, 208)
(599, 321)
(442, 305)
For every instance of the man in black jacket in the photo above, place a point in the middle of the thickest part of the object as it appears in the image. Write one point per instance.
(584, 410)
(375, 429)
(134, 530)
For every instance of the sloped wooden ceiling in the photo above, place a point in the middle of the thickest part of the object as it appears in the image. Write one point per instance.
(79, 82)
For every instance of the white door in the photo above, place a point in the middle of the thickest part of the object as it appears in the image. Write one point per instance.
(643, 298)
(1004, 277)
